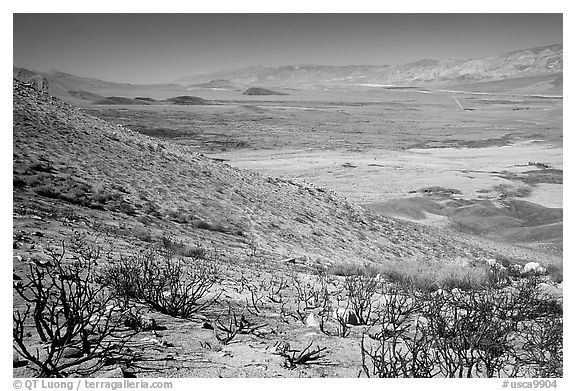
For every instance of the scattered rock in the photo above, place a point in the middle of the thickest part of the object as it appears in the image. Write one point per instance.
(39, 83)
(113, 373)
(312, 321)
(72, 352)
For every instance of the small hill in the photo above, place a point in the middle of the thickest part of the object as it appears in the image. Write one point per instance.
(216, 84)
(75, 89)
(146, 99)
(187, 100)
(85, 95)
(261, 91)
(120, 100)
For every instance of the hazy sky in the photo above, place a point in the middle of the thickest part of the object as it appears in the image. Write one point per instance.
(150, 48)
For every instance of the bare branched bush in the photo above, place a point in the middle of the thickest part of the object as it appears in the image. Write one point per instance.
(541, 352)
(76, 320)
(235, 325)
(309, 296)
(480, 333)
(392, 356)
(169, 285)
(362, 296)
(293, 358)
(255, 302)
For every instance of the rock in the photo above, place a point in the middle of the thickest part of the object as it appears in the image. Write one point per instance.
(492, 262)
(148, 324)
(40, 84)
(72, 352)
(531, 267)
(113, 373)
(41, 260)
(18, 362)
(345, 315)
(311, 321)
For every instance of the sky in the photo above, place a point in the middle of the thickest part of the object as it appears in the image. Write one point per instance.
(157, 48)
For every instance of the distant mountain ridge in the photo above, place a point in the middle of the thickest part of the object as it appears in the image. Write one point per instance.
(77, 88)
(541, 61)
(535, 70)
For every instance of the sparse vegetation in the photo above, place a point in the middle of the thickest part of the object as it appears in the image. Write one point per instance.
(206, 263)
(167, 284)
(473, 334)
(307, 355)
(77, 321)
(236, 325)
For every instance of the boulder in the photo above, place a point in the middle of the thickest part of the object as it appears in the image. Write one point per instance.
(72, 352)
(492, 262)
(312, 321)
(40, 84)
(531, 267)
(345, 315)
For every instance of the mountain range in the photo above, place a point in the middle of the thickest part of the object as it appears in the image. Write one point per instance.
(531, 71)
(545, 62)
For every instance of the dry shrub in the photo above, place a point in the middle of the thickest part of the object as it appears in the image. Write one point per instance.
(425, 275)
(167, 284)
(67, 310)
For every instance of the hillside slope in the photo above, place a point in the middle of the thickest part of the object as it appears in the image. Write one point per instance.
(115, 179)
(76, 89)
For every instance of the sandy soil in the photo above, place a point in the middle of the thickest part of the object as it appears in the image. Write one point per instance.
(381, 175)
